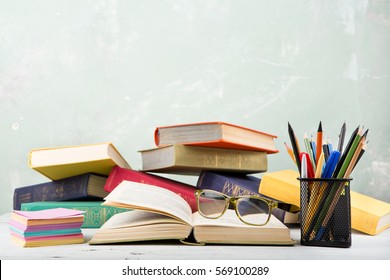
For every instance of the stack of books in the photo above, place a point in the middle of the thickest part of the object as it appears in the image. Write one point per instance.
(222, 156)
(47, 227)
(76, 176)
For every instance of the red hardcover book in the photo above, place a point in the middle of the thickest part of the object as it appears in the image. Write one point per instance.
(119, 174)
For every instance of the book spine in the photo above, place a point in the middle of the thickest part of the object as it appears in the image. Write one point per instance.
(224, 184)
(65, 189)
(119, 174)
(229, 159)
(94, 217)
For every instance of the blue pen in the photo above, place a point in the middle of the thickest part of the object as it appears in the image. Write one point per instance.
(331, 164)
(328, 172)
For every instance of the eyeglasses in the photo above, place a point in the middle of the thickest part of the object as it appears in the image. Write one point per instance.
(251, 210)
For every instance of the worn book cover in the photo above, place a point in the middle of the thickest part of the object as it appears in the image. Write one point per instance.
(118, 174)
(62, 162)
(215, 134)
(191, 160)
(81, 187)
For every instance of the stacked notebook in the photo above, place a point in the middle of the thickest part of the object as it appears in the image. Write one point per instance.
(59, 226)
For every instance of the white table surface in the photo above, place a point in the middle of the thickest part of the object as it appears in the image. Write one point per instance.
(364, 247)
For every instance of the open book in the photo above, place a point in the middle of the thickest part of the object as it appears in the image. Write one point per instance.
(161, 214)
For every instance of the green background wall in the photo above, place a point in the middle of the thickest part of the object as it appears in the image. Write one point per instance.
(77, 72)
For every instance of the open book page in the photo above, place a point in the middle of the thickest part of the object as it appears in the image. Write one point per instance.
(228, 229)
(139, 225)
(230, 219)
(137, 218)
(133, 195)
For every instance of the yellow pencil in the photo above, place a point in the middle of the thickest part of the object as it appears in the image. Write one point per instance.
(290, 152)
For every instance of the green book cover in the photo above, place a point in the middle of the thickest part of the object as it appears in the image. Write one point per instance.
(95, 216)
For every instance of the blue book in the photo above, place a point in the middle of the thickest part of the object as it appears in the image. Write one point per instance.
(80, 187)
(233, 184)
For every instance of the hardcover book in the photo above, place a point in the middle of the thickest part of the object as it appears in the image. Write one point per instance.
(191, 160)
(95, 214)
(118, 174)
(238, 185)
(62, 162)
(81, 187)
(215, 134)
(161, 214)
(368, 215)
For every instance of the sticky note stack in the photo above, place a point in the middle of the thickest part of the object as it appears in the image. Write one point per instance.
(59, 226)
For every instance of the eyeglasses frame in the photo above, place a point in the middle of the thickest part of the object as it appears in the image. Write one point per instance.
(232, 200)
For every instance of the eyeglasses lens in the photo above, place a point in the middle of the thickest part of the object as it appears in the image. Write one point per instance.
(212, 204)
(253, 211)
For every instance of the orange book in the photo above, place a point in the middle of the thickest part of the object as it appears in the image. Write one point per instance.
(215, 134)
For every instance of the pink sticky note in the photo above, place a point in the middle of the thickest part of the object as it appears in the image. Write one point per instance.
(55, 213)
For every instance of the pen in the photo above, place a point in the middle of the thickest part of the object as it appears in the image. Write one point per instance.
(308, 168)
(309, 150)
(325, 197)
(304, 165)
(326, 152)
(330, 146)
(315, 193)
(331, 164)
(313, 149)
(344, 172)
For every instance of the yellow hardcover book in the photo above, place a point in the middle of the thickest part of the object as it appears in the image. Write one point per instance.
(191, 160)
(368, 215)
(281, 185)
(62, 162)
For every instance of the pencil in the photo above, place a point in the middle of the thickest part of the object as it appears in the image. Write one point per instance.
(295, 147)
(290, 152)
(340, 189)
(341, 137)
(319, 143)
(346, 150)
(335, 193)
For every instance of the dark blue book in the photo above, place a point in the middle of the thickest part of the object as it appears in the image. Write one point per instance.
(81, 187)
(233, 184)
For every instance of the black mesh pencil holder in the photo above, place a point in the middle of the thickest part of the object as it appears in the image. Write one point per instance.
(325, 212)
